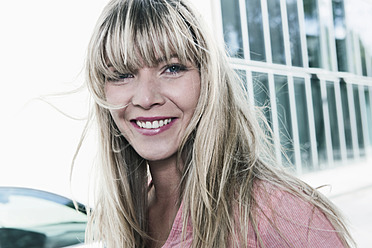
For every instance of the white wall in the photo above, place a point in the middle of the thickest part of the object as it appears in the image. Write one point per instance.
(211, 15)
(42, 49)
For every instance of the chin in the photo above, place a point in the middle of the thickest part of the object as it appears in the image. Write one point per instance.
(155, 157)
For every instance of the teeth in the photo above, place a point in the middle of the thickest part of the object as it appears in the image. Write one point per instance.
(154, 124)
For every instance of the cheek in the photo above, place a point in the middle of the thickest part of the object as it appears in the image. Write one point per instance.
(109, 94)
(192, 94)
(115, 95)
(121, 124)
(115, 114)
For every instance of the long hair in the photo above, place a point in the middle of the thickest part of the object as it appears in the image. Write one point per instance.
(225, 149)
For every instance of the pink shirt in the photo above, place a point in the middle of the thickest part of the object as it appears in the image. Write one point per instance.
(300, 224)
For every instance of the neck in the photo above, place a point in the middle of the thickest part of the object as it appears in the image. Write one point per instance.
(166, 178)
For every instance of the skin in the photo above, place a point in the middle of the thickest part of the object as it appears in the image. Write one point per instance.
(168, 91)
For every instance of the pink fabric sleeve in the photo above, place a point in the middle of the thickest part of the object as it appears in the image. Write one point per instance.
(285, 220)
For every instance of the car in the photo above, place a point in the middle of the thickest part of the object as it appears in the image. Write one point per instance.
(31, 218)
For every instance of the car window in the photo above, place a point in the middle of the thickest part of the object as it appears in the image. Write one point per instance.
(32, 218)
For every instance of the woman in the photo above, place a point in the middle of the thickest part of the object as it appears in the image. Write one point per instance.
(184, 160)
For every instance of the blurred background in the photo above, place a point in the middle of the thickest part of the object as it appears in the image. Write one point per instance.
(308, 61)
(43, 46)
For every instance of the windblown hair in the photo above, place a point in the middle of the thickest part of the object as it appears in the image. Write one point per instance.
(224, 152)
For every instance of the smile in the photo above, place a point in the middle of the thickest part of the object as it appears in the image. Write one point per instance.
(153, 124)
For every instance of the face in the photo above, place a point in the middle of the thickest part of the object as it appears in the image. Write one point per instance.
(159, 103)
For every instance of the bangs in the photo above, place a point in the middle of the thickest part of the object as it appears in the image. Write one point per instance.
(144, 33)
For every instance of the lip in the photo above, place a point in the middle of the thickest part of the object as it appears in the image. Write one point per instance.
(155, 131)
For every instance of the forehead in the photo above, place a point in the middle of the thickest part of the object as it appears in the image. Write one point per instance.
(136, 34)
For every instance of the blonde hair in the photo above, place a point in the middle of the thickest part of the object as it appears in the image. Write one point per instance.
(225, 149)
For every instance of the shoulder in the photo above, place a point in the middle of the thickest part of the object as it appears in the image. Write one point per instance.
(287, 220)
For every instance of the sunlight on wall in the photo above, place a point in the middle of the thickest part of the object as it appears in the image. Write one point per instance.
(358, 16)
(42, 51)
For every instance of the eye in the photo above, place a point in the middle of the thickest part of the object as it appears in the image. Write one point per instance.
(125, 75)
(175, 68)
(119, 77)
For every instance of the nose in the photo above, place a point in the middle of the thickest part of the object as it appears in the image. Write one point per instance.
(148, 91)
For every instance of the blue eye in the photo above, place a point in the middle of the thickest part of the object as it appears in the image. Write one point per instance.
(175, 68)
